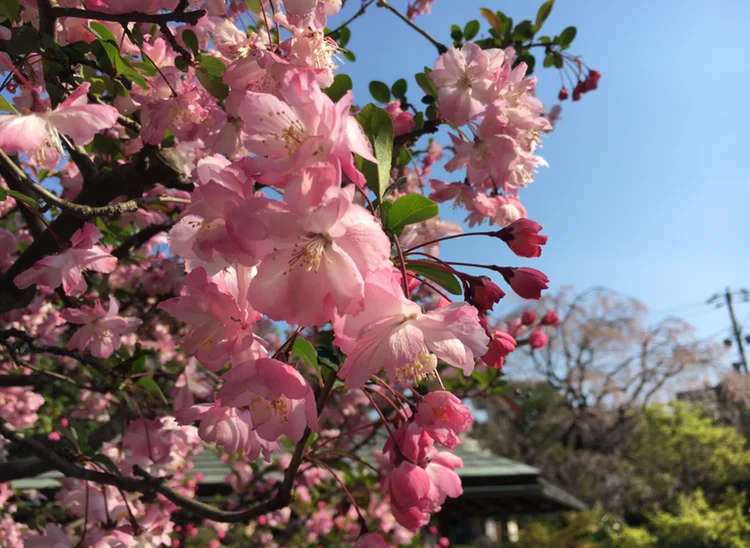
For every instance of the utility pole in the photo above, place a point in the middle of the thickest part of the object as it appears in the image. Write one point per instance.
(736, 327)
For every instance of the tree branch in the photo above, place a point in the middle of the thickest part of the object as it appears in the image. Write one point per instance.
(149, 167)
(177, 16)
(138, 239)
(440, 47)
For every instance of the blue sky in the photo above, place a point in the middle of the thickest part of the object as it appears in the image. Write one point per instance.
(647, 190)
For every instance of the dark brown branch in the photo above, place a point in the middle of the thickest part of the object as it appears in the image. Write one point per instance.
(138, 239)
(440, 47)
(357, 15)
(149, 167)
(190, 17)
(21, 380)
(408, 138)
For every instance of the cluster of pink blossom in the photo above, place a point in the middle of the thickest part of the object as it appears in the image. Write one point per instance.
(504, 120)
(283, 224)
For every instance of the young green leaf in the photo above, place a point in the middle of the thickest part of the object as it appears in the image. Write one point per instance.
(150, 384)
(446, 280)
(567, 36)
(378, 126)
(22, 197)
(341, 84)
(410, 209)
(471, 29)
(426, 83)
(399, 88)
(191, 40)
(380, 91)
(102, 32)
(106, 463)
(305, 351)
(543, 13)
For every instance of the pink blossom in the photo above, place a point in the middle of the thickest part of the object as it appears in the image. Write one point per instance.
(393, 333)
(190, 383)
(538, 339)
(316, 249)
(302, 128)
(523, 238)
(500, 346)
(228, 427)
(102, 329)
(442, 415)
(128, 6)
(219, 315)
(371, 540)
(279, 399)
(403, 120)
(52, 537)
(73, 117)
(67, 267)
(465, 79)
(526, 282)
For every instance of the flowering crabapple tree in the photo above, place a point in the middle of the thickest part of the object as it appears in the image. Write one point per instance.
(207, 246)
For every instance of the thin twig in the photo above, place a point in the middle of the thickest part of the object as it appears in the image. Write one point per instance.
(440, 47)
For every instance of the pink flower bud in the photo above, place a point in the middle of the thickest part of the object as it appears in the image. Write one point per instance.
(526, 282)
(523, 238)
(528, 317)
(551, 318)
(538, 339)
(64, 421)
(483, 293)
(54, 436)
(500, 346)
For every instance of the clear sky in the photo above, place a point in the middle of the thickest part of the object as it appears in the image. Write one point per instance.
(648, 186)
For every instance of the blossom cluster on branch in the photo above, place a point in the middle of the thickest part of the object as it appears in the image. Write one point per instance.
(229, 253)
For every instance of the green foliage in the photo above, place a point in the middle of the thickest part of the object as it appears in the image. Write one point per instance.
(446, 280)
(380, 91)
(378, 126)
(408, 210)
(341, 84)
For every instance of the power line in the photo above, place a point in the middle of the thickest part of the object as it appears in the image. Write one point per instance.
(744, 296)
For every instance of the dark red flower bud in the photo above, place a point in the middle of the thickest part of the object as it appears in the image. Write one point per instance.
(526, 282)
(538, 339)
(523, 238)
(551, 318)
(500, 346)
(528, 317)
(563, 94)
(483, 292)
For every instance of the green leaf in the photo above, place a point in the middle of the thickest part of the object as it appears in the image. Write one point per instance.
(102, 32)
(399, 88)
(545, 39)
(181, 63)
(344, 35)
(524, 31)
(341, 84)
(3, 194)
(426, 83)
(567, 36)
(410, 209)
(305, 351)
(348, 55)
(378, 126)
(6, 105)
(543, 13)
(456, 33)
(106, 462)
(23, 40)
(418, 121)
(253, 5)
(9, 8)
(471, 29)
(150, 384)
(213, 84)
(22, 197)
(404, 157)
(380, 91)
(549, 60)
(446, 280)
(213, 66)
(191, 40)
